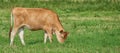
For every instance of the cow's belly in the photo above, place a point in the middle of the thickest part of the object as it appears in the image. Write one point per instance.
(33, 27)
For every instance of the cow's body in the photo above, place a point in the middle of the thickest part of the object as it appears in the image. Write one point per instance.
(36, 19)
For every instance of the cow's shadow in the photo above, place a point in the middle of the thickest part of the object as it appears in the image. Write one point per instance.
(35, 42)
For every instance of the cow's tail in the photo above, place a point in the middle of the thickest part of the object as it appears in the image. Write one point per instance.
(11, 20)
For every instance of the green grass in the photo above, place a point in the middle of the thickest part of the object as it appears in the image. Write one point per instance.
(94, 27)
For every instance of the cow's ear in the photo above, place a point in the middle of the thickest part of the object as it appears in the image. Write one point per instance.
(61, 31)
(65, 34)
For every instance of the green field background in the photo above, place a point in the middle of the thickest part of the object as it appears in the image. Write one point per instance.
(93, 26)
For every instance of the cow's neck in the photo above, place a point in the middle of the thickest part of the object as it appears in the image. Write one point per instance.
(59, 27)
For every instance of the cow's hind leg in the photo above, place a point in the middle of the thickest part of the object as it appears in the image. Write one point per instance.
(21, 35)
(45, 37)
(13, 33)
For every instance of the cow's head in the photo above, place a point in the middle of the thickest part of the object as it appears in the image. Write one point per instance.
(62, 36)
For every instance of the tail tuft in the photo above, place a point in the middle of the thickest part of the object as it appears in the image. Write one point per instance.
(10, 32)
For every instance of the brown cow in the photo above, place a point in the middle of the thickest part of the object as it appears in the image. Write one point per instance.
(36, 19)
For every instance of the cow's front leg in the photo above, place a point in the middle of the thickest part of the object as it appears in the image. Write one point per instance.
(50, 37)
(48, 33)
(45, 37)
(21, 35)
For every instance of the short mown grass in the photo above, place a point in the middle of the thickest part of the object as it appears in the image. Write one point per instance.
(93, 26)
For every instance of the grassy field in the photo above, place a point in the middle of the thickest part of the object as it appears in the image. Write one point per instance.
(94, 27)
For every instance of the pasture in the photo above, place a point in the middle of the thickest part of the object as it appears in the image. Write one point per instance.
(93, 26)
